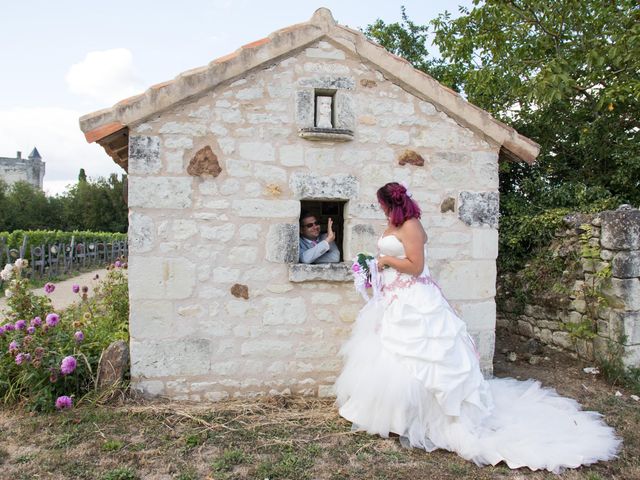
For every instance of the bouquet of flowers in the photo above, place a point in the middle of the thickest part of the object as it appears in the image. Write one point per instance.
(365, 274)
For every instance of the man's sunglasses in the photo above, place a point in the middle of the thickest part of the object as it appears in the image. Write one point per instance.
(309, 225)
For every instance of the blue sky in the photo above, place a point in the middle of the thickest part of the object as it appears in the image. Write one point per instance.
(63, 59)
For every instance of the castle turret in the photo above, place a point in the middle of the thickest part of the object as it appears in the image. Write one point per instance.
(34, 155)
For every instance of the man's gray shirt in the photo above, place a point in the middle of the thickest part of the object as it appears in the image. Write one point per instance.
(318, 252)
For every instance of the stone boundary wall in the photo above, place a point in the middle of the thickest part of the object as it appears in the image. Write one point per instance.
(595, 307)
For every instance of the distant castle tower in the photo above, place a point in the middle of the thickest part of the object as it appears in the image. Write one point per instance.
(30, 169)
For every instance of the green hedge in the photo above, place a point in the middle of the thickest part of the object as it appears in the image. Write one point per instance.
(42, 237)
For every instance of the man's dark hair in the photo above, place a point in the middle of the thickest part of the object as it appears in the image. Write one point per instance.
(305, 214)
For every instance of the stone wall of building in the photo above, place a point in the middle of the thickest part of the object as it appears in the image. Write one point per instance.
(30, 170)
(593, 310)
(214, 194)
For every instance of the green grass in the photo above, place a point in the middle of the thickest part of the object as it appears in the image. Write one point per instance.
(290, 463)
(121, 473)
(26, 458)
(193, 440)
(112, 445)
(228, 460)
(189, 474)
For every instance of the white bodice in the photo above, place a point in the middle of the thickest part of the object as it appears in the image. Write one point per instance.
(391, 246)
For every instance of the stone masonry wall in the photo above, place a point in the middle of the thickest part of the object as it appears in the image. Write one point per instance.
(14, 170)
(196, 242)
(601, 307)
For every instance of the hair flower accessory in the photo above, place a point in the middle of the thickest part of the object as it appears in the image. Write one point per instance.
(406, 187)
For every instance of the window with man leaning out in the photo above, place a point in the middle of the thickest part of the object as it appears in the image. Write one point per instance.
(321, 232)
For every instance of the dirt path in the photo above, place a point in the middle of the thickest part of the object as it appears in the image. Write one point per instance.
(63, 295)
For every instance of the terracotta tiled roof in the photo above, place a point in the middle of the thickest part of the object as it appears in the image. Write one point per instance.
(109, 126)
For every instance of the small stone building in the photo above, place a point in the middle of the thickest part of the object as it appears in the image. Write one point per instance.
(222, 159)
(30, 169)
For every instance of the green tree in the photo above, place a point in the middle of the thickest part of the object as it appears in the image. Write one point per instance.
(27, 208)
(564, 73)
(96, 205)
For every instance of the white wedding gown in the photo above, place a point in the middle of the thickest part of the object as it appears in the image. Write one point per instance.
(412, 369)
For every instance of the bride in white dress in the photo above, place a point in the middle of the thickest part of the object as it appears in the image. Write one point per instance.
(412, 369)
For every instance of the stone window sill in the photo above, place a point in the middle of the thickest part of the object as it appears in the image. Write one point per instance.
(335, 134)
(327, 272)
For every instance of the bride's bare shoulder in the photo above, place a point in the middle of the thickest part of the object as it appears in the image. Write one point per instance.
(413, 227)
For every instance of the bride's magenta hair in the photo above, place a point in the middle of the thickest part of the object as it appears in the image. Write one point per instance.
(399, 204)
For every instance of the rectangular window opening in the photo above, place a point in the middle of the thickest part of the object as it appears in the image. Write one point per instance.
(324, 108)
(323, 210)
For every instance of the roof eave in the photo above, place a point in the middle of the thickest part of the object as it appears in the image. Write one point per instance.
(104, 123)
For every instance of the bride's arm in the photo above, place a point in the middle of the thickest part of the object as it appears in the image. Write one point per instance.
(412, 236)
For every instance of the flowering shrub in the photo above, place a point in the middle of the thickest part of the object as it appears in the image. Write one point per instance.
(45, 363)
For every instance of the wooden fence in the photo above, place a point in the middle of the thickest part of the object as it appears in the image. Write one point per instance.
(52, 260)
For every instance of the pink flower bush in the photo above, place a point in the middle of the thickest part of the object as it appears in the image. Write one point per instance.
(52, 319)
(68, 365)
(9, 327)
(64, 402)
(21, 324)
(36, 322)
(14, 347)
(79, 336)
(21, 358)
(31, 330)
(75, 288)
(49, 288)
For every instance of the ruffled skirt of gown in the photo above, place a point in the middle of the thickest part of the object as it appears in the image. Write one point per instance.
(412, 369)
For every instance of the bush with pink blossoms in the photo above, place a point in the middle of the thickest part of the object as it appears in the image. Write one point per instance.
(46, 363)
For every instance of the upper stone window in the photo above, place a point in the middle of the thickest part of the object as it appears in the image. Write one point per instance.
(325, 111)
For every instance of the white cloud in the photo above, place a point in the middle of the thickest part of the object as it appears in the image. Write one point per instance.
(106, 76)
(56, 134)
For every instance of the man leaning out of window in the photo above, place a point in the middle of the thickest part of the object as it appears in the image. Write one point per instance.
(314, 247)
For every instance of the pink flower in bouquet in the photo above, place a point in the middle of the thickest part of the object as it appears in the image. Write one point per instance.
(355, 267)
